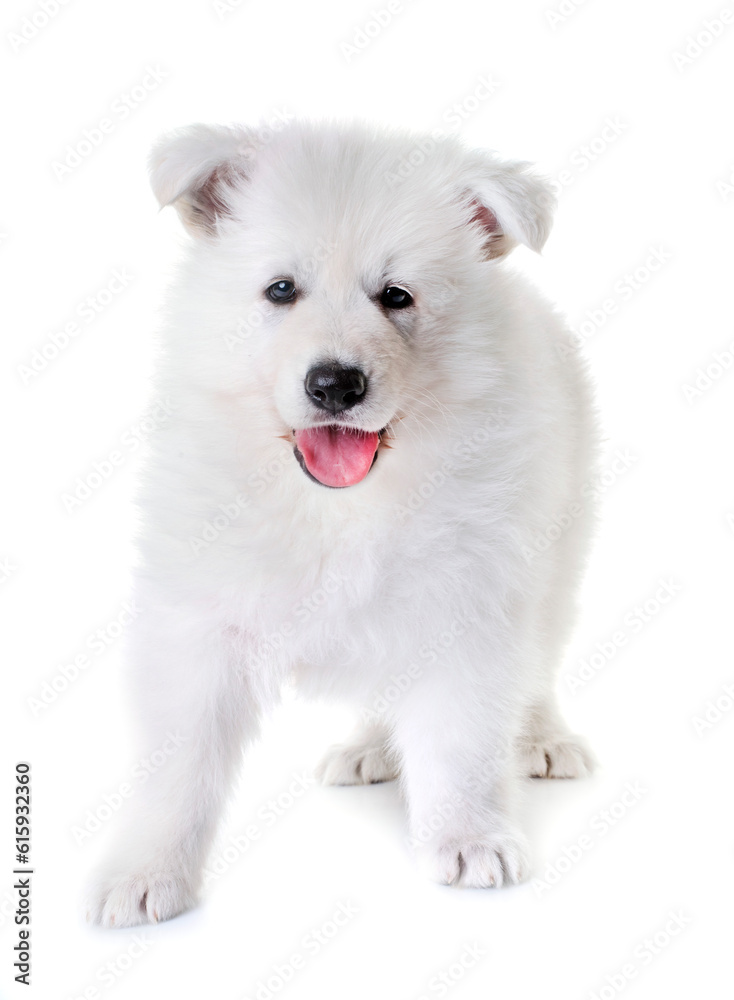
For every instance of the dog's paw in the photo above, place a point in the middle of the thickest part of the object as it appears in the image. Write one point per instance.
(359, 763)
(560, 757)
(478, 864)
(139, 898)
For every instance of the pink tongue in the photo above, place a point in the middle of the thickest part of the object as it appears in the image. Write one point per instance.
(337, 456)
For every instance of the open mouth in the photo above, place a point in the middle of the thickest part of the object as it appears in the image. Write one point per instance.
(336, 456)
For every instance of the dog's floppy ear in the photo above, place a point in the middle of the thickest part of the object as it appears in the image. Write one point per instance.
(510, 204)
(196, 168)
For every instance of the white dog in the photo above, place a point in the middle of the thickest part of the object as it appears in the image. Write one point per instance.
(370, 484)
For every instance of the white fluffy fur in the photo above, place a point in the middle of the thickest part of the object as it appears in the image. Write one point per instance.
(469, 376)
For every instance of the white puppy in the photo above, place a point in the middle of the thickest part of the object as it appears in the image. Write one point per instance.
(370, 484)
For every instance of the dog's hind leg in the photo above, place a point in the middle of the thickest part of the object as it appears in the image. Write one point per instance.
(548, 749)
(547, 746)
(366, 758)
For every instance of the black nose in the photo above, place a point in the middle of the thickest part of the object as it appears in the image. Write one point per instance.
(335, 388)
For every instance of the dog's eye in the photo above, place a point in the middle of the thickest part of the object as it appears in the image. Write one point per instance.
(281, 291)
(394, 297)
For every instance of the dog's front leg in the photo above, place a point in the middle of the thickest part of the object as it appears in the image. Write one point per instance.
(456, 730)
(196, 707)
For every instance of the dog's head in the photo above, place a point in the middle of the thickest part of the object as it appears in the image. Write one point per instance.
(341, 280)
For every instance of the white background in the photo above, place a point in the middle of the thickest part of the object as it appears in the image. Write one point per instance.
(661, 180)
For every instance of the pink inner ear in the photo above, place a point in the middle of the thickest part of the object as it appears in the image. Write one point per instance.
(486, 218)
(209, 199)
(209, 196)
